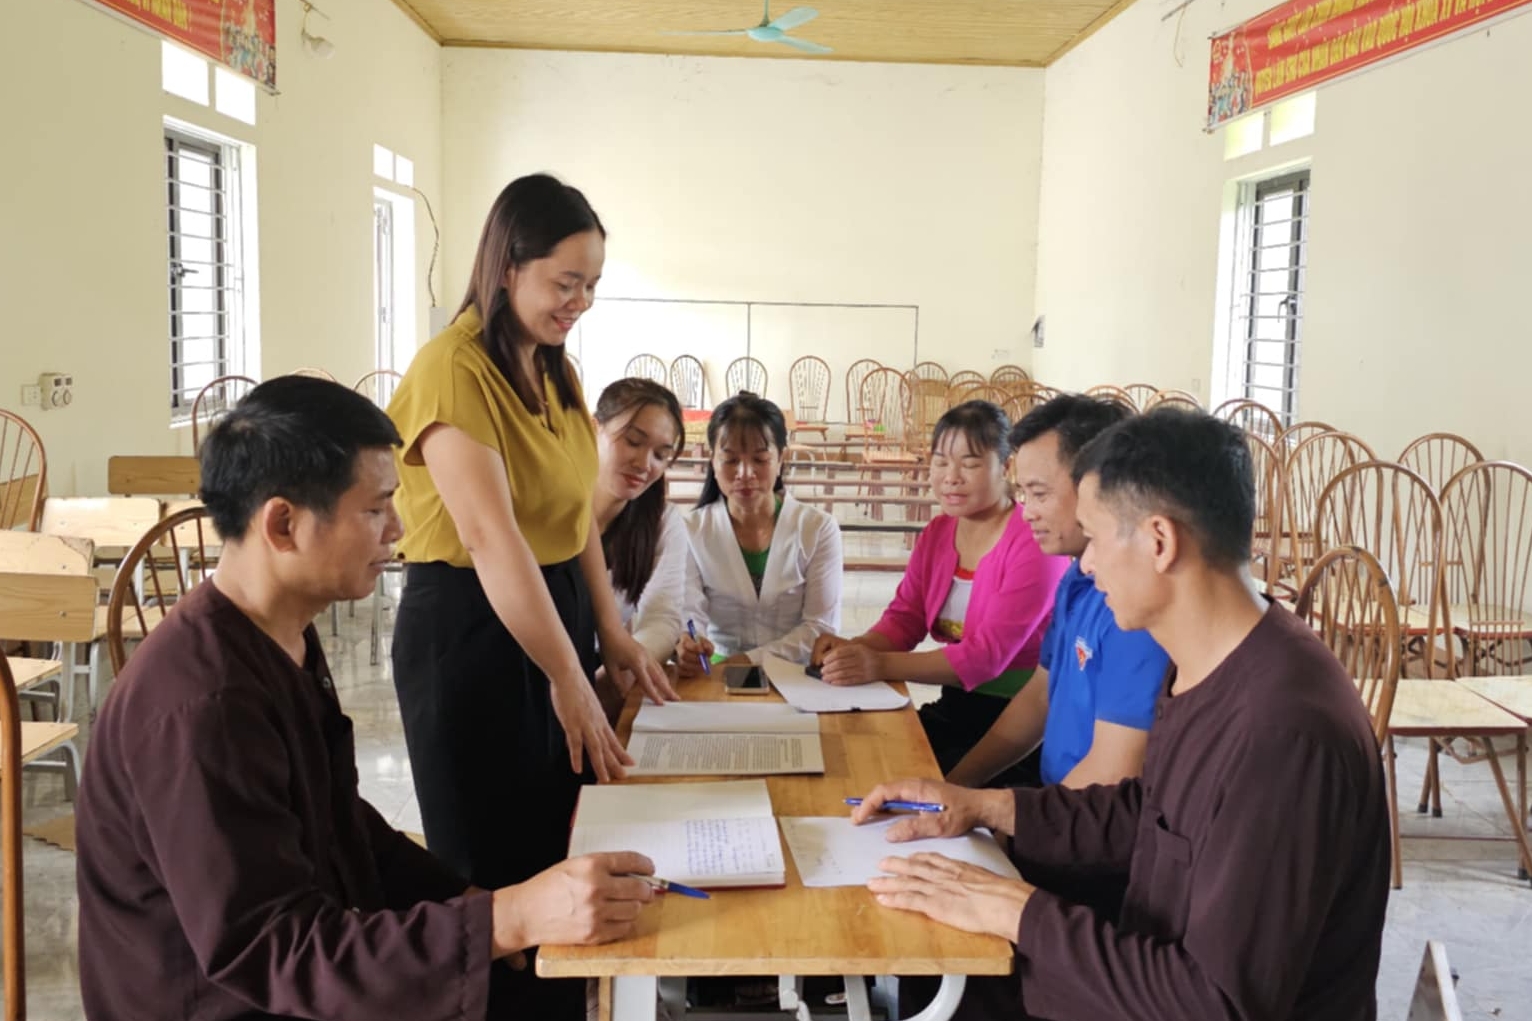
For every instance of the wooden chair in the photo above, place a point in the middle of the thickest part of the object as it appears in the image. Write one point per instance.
(1349, 602)
(983, 392)
(1436, 993)
(962, 376)
(1008, 376)
(378, 386)
(1305, 473)
(745, 374)
(1300, 431)
(1251, 416)
(23, 473)
(647, 366)
(856, 413)
(1266, 473)
(168, 561)
(1437, 457)
(1108, 392)
(886, 399)
(689, 381)
(958, 392)
(1392, 513)
(213, 401)
(12, 928)
(808, 388)
(927, 403)
(1140, 394)
(1023, 398)
(32, 553)
(1175, 398)
(315, 373)
(930, 370)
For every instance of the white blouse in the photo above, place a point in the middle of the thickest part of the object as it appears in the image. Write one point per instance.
(655, 620)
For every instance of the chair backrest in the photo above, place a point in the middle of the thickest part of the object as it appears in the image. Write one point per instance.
(23, 473)
(1176, 398)
(927, 403)
(168, 561)
(808, 389)
(1436, 993)
(214, 401)
(885, 397)
(1009, 375)
(745, 374)
(1251, 416)
(965, 376)
(1300, 431)
(1348, 600)
(647, 366)
(1487, 565)
(315, 373)
(856, 414)
(1108, 392)
(1439, 456)
(1306, 471)
(12, 929)
(1266, 472)
(930, 370)
(378, 386)
(1023, 397)
(1140, 394)
(689, 381)
(1390, 512)
(964, 392)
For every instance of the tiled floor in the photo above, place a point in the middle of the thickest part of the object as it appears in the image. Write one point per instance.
(1462, 892)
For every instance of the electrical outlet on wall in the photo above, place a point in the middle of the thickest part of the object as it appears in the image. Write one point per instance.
(31, 396)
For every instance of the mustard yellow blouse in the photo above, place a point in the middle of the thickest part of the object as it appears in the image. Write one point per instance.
(551, 470)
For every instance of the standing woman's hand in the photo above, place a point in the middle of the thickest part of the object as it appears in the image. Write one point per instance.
(622, 654)
(586, 730)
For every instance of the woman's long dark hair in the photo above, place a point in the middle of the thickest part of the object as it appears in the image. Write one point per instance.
(527, 222)
(631, 542)
(743, 413)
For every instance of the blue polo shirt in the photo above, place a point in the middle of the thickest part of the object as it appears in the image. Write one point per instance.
(1096, 671)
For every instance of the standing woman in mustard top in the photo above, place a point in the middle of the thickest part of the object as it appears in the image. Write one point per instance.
(506, 587)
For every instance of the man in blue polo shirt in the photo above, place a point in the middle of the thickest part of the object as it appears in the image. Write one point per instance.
(1093, 709)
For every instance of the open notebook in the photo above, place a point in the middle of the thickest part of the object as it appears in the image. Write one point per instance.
(724, 739)
(709, 835)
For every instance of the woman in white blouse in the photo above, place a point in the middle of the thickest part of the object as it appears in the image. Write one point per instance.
(638, 434)
(763, 572)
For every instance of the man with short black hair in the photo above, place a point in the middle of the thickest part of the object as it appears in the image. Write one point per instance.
(228, 868)
(1256, 844)
(1092, 700)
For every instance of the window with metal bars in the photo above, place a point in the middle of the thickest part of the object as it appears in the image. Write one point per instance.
(202, 179)
(1268, 296)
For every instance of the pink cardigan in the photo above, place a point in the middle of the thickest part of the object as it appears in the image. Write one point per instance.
(1008, 612)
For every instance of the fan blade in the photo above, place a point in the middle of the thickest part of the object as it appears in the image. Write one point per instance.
(795, 17)
(804, 45)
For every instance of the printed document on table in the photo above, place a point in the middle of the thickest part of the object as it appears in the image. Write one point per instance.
(668, 754)
(830, 851)
(816, 696)
(724, 718)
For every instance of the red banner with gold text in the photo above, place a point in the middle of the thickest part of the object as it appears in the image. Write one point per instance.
(1302, 43)
(240, 34)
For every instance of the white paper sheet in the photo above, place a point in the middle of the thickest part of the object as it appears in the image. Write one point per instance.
(830, 851)
(667, 754)
(724, 718)
(815, 696)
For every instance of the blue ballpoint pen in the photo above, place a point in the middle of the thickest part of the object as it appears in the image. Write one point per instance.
(904, 806)
(665, 885)
(707, 668)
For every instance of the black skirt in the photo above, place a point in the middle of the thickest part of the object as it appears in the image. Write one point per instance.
(489, 758)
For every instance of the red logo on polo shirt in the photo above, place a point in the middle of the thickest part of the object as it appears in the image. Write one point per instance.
(1083, 652)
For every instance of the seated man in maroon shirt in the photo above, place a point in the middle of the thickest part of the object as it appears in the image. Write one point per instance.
(228, 868)
(1255, 845)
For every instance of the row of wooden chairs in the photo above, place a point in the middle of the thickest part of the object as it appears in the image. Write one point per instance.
(220, 395)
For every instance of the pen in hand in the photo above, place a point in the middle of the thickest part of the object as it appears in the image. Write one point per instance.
(666, 886)
(903, 806)
(707, 668)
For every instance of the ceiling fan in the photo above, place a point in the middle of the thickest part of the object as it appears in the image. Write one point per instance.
(769, 31)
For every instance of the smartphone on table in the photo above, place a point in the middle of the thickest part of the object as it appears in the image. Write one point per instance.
(742, 679)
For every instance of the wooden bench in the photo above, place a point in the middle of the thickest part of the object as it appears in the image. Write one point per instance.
(50, 608)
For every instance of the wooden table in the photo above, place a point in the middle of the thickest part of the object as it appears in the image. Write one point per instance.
(1427, 708)
(792, 930)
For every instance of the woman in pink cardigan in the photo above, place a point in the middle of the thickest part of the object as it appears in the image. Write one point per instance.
(977, 583)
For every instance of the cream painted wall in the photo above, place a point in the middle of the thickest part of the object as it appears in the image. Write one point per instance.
(740, 180)
(82, 221)
(1415, 315)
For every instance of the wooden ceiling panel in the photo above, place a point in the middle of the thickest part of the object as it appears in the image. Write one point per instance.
(1022, 33)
